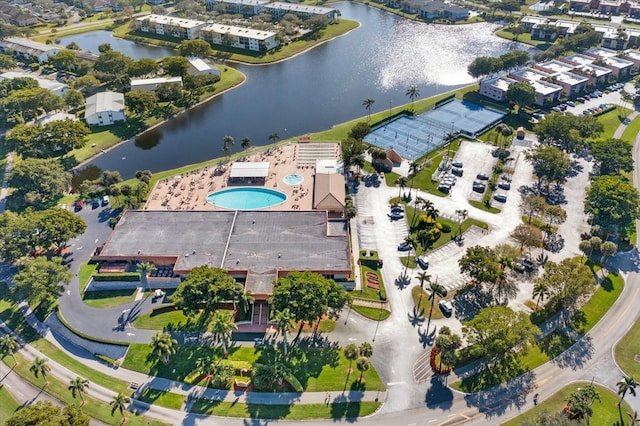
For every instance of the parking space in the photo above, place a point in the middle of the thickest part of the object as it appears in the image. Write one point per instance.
(475, 158)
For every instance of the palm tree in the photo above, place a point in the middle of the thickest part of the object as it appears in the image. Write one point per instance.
(351, 353)
(246, 300)
(9, 346)
(39, 367)
(163, 346)
(273, 137)
(433, 213)
(412, 92)
(227, 143)
(435, 290)
(635, 420)
(206, 367)
(422, 277)
(283, 322)
(362, 364)
(462, 216)
(414, 168)
(78, 386)
(540, 291)
(246, 143)
(119, 403)
(627, 384)
(366, 350)
(402, 183)
(144, 268)
(222, 326)
(367, 104)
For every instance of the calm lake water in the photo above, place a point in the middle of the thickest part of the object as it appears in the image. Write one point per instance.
(311, 92)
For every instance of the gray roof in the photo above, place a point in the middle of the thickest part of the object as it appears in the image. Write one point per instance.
(261, 242)
(104, 102)
(24, 45)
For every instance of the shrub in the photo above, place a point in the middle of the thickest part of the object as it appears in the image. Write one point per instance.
(445, 228)
(108, 360)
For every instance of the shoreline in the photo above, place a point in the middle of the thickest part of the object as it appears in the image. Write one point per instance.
(161, 123)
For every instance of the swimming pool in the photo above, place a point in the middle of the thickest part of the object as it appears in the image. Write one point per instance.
(246, 198)
(294, 179)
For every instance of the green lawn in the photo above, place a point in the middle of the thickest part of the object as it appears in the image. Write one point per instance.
(425, 305)
(172, 319)
(59, 390)
(316, 369)
(627, 349)
(162, 398)
(104, 299)
(631, 131)
(603, 298)
(86, 272)
(483, 206)
(612, 120)
(8, 406)
(545, 350)
(367, 292)
(605, 412)
(375, 314)
(336, 410)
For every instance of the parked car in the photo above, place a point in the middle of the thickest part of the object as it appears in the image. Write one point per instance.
(446, 307)
(501, 198)
(444, 188)
(405, 247)
(571, 103)
(482, 176)
(105, 200)
(504, 185)
(95, 203)
(457, 164)
(422, 262)
(397, 208)
(457, 171)
(479, 186)
(395, 215)
(78, 206)
(528, 264)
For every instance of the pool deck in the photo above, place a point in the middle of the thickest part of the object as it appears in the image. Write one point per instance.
(189, 191)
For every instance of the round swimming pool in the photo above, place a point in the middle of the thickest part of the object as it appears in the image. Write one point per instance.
(246, 198)
(294, 179)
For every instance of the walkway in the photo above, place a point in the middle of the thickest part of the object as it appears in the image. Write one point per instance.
(4, 191)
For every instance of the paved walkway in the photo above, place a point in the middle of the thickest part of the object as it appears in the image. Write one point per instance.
(4, 191)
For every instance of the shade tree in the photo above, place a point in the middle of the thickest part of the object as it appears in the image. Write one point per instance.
(197, 48)
(204, 289)
(550, 165)
(38, 183)
(565, 283)
(521, 94)
(28, 103)
(46, 413)
(612, 202)
(40, 278)
(52, 139)
(612, 156)
(481, 264)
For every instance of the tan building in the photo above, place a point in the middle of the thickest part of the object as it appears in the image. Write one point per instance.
(329, 192)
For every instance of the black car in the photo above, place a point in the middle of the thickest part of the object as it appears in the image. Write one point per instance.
(457, 164)
(457, 171)
(504, 185)
(405, 247)
(395, 215)
(482, 176)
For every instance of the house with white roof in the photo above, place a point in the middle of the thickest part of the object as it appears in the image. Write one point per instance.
(239, 37)
(583, 65)
(28, 50)
(279, 9)
(171, 26)
(52, 85)
(56, 116)
(572, 84)
(151, 84)
(104, 108)
(495, 87)
(528, 22)
(545, 92)
(633, 56)
(245, 7)
(608, 58)
(199, 66)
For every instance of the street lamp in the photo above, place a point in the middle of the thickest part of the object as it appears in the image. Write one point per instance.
(378, 324)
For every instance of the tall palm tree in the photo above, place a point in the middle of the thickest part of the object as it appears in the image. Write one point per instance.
(246, 143)
(414, 168)
(435, 290)
(540, 291)
(227, 143)
(351, 352)
(422, 277)
(402, 183)
(246, 299)
(9, 346)
(367, 104)
(78, 386)
(366, 350)
(627, 384)
(206, 367)
(462, 216)
(283, 320)
(221, 328)
(39, 367)
(119, 403)
(273, 137)
(163, 346)
(362, 364)
(412, 92)
(635, 420)
(144, 268)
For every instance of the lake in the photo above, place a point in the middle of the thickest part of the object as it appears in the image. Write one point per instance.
(312, 91)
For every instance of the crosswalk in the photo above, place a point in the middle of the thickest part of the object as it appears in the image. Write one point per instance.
(422, 368)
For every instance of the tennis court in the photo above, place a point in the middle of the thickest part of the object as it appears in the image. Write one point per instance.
(413, 137)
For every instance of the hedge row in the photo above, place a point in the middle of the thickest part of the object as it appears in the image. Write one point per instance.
(117, 276)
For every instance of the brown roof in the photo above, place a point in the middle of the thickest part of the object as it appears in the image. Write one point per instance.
(393, 156)
(328, 191)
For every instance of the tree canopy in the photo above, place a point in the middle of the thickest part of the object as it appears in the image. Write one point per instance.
(500, 333)
(568, 131)
(143, 66)
(481, 264)
(197, 48)
(48, 140)
(44, 413)
(40, 278)
(64, 60)
(521, 93)
(204, 289)
(550, 165)
(612, 202)
(566, 282)
(27, 103)
(175, 65)
(112, 63)
(38, 183)
(141, 103)
(613, 156)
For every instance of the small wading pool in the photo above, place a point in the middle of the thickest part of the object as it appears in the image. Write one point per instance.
(246, 198)
(294, 179)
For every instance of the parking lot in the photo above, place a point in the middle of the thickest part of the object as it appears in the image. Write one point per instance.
(612, 98)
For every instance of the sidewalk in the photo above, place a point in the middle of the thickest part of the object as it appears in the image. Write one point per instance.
(4, 191)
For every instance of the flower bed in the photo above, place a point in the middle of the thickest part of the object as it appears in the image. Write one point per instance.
(436, 365)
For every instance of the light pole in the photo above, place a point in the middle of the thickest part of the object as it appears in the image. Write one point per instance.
(378, 324)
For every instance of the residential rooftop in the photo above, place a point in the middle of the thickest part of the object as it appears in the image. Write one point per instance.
(530, 74)
(556, 66)
(172, 21)
(300, 8)
(238, 31)
(571, 78)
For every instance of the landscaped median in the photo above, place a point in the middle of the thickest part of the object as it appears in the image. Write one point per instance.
(371, 300)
